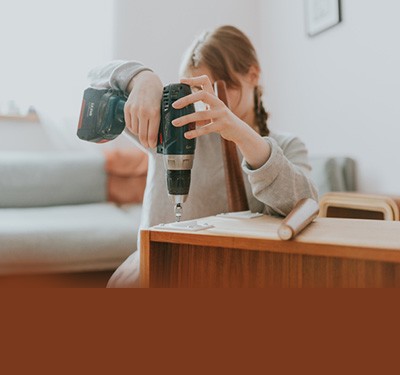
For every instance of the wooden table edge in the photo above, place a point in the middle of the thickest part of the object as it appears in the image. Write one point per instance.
(262, 244)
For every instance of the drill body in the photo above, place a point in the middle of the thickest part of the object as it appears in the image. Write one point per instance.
(177, 151)
(102, 120)
(102, 115)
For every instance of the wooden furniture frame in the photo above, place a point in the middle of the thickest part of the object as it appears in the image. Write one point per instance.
(248, 253)
(359, 206)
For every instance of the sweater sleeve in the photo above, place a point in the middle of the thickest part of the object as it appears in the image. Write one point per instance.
(284, 179)
(115, 75)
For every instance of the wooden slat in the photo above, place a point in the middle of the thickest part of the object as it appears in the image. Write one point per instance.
(235, 188)
(144, 258)
(31, 117)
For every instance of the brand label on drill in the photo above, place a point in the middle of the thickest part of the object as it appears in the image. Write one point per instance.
(91, 108)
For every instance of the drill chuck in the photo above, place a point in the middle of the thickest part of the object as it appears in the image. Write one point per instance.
(178, 183)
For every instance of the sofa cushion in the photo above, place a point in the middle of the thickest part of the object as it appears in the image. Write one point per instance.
(126, 175)
(130, 162)
(348, 167)
(67, 238)
(333, 174)
(51, 178)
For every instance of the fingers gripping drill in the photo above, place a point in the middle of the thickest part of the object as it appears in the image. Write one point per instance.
(102, 120)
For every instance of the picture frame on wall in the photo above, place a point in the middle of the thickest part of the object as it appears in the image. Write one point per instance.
(321, 15)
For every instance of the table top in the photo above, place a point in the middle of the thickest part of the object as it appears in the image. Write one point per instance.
(350, 238)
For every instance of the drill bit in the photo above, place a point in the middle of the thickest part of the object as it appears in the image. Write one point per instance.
(178, 212)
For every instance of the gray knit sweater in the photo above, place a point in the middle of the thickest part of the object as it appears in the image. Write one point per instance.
(273, 188)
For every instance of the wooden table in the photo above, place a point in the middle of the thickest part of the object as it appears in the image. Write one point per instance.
(248, 253)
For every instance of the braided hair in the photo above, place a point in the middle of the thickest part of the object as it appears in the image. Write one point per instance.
(260, 112)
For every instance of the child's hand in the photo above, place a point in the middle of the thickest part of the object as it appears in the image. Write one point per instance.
(142, 109)
(218, 118)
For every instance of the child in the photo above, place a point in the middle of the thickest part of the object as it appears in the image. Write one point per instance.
(275, 166)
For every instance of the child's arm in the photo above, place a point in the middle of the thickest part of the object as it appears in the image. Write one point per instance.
(284, 179)
(278, 177)
(144, 87)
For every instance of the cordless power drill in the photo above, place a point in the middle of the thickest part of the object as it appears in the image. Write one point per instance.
(102, 120)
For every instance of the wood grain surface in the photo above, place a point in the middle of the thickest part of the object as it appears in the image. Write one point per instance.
(248, 253)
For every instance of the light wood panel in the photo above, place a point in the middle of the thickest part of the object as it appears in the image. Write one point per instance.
(30, 117)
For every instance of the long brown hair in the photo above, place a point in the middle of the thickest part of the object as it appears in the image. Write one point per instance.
(227, 52)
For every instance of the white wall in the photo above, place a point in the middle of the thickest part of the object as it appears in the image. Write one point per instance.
(340, 90)
(158, 32)
(47, 48)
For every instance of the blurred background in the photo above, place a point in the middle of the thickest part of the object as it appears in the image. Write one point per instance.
(338, 90)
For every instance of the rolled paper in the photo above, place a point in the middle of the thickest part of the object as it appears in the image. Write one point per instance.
(303, 213)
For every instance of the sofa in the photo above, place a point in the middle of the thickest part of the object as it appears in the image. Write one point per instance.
(69, 212)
